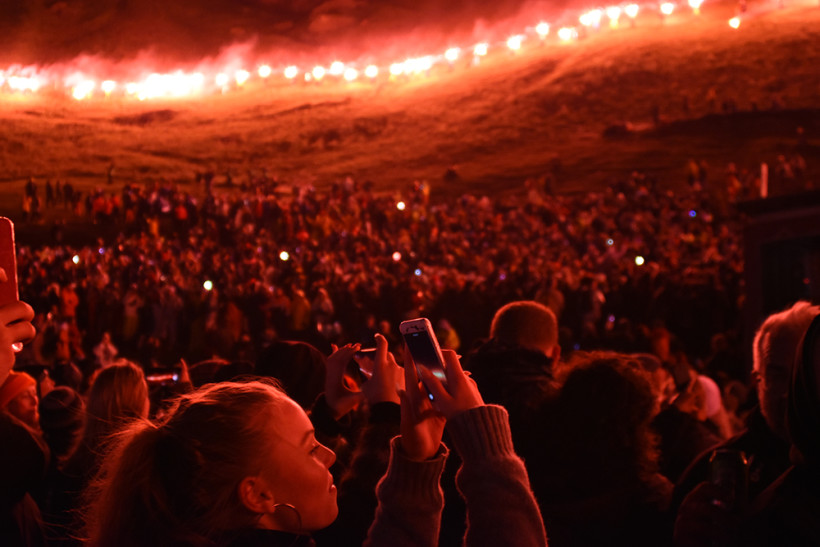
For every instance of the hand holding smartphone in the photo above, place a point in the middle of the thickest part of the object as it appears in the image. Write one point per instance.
(424, 348)
(8, 263)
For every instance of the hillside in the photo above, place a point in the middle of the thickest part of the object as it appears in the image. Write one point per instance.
(544, 109)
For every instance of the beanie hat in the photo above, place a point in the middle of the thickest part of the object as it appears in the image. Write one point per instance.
(61, 408)
(15, 384)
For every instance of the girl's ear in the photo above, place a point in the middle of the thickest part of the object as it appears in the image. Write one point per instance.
(255, 494)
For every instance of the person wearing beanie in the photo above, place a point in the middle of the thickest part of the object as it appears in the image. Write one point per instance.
(18, 397)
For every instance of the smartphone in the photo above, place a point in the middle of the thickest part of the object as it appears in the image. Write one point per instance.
(423, 346)
(365, 358)
(163, 376)
(8, 261)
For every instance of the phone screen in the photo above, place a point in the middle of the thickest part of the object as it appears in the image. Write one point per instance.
(424, 353)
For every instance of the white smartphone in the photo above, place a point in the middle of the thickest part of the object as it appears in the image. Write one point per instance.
(423, 345)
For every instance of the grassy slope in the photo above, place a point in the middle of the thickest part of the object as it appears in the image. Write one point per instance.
(512, 117)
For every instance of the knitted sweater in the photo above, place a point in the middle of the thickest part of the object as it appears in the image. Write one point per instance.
(501, 509)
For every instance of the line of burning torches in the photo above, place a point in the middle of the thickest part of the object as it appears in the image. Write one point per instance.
(28, 80)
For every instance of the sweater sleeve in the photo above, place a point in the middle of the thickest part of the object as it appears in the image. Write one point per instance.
(410, 501)
(501, 508)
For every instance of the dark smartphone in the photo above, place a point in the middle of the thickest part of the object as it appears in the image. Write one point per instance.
(364, 359)
(8, 261)
(423, 346)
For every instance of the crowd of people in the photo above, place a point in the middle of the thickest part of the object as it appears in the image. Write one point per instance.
(196, 375)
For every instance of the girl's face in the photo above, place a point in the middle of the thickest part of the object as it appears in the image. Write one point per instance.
(298, 474)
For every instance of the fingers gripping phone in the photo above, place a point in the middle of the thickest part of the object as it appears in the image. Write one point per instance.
(423, 346)
(8, 261)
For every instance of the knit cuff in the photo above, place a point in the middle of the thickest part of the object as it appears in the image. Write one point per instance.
(411, 480)
(480, 433)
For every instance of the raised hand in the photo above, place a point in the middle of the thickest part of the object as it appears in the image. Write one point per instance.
(461, 393)
(387, 379)
(421, 425)
(339, 395)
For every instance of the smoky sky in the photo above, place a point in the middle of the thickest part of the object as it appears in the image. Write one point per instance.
(174, 31)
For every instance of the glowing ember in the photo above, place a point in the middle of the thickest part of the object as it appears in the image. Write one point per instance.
(452, 54)
(396, 256)
(265, 71)
(291, 72)
(351, 74)
(318, 72)
(83, 90)
(284, 256)
(371, 71)
(241, 76)
(639, 261)
(734, 22)
(337, 68)
(632, 10)
(514, 42)
(543, 29)
(480, 50)
(208, 285)
(401, 206)
(566, 34)
(108, 86)
(667, 8)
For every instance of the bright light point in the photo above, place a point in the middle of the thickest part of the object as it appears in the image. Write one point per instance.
(401, 206)
(693, 213)
(452, 54)
(131, 88)
(480, 50)
(632, 10)
(284, 256)
(337, 68)
(609, 242)
(108, 86)
(566, 34)
(291, 72)
(83, 90)
(591, 18)
(734, 22)
(695, 4)
(396, 69)
(614, 12)
(639, 260)
(396, 256)
(351, 74)
(417, 272)
(75, 259)
(543, 29)
(222, 79)
(514, 42)
(241, 76)
(265, 71)
(208, 285)
(667, 8)
(101, 251)
(371, 71)
(318, 72)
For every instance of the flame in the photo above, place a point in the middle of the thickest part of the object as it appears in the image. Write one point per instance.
(351, 74)
(371, 71)
(108, 86)
(480, 50)
(452, 54)
(241, 76)
(83, 90)
(734, 22)
(543, 29)
(265, 71)
(337, 68)
(291, 72)
(514, 42)
(566, 34)
(632, 10)
(318, 72)
(667, 8)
